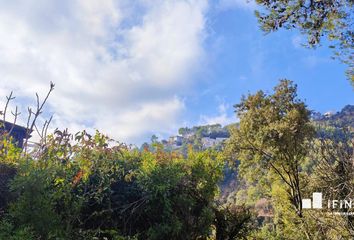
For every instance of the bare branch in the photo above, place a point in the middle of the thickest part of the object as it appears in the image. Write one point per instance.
(8, 100)
(36, 114)
(15, 114)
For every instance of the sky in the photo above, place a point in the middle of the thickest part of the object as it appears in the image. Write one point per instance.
(133, 68)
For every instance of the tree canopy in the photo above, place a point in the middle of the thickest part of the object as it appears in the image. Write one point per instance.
(273, 134)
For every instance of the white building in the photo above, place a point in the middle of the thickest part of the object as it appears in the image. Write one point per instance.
(211, 142)
(176, 140)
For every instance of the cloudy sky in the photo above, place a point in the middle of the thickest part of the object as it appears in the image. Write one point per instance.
(132, 68)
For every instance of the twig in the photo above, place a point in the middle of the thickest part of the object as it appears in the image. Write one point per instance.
(31, 124)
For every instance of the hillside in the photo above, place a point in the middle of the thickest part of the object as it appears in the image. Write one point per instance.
(343, 118)
(213, 136)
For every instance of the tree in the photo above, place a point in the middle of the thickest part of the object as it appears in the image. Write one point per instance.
(154, 139)
(316, 19)
(333, 175)
(273, 137)
(232, 222)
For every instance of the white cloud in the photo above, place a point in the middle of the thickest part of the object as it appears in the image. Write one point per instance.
(119, 66)
(222, 118)
(146, 118)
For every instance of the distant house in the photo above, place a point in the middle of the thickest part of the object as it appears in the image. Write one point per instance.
(17, 132)
(176, 140)
(211, 142)
(208, 142)
(328, 114)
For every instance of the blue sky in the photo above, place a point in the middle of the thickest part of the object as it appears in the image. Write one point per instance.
(245, 60)
(248, 60)
(136, 68)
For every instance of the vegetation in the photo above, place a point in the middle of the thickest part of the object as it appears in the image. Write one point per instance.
(282, 159)
(79, 186)
(273, 135)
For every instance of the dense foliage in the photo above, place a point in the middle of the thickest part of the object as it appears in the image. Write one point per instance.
(273, 134)
(284, 157)
(90, 187)
(80, 187)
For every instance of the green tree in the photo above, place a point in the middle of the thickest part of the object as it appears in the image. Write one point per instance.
(316, 19)
(333, 175)
(154, 139)
(273, 137)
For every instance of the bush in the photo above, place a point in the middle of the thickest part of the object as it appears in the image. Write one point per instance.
(78, 187)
